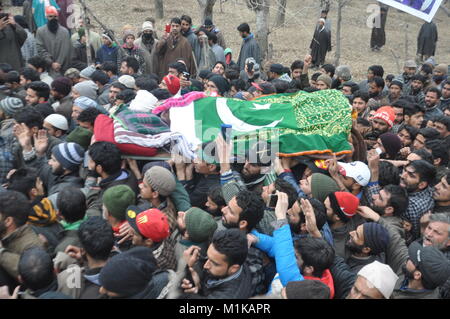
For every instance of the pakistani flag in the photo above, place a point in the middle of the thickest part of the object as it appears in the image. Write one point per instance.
(300, 124)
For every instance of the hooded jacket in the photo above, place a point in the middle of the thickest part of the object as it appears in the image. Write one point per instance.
(14, 245)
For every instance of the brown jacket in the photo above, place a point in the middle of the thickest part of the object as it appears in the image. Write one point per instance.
(167, 53)
(14, 245)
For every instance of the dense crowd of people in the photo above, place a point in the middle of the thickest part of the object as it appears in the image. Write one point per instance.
(78, 219)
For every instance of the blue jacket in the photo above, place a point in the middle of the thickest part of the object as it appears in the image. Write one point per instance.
(106, 53)
(281, 247)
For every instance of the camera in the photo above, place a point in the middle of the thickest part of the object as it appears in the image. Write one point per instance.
(186, 75)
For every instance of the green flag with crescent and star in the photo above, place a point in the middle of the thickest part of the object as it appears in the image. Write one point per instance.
(301, 123)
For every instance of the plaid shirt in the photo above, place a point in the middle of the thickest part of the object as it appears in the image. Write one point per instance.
(8, 158)
(419, 203)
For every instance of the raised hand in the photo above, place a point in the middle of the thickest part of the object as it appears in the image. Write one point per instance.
(310, 218)
(22, 133)
(282, 205)
(41, 142)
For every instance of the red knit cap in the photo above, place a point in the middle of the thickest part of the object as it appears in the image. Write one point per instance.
(386, 113)
(344, 204)
(173, 83)
(51, 11)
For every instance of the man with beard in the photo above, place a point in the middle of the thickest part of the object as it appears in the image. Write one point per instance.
(115, 88)
(53, 43)
(320, 44)
(426, 268)
(63, 169)
(382, 122)
(416, 179)
(342, 217)
(188, 33)
(432, 110)
(249, 47)
(375, 90)
(441, 196)
(395, 93)
(225, 274)
(413, 114)
(409, 70)
(366, 244)
(147, 43)
(215, 202)
(61, 88)
(35, 143)
(416, 90)
(297, 220)
(445, 98)
(172, 47)
(15, 235)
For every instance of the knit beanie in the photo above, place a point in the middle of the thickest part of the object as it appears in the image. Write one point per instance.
(81, 136)
(322, 185)
(69, 155)
(344, 204)
(161, 180)
(173, 83)
(57, 120)
(62, 85)
(307, 289)
(84, 102)
(443, 68)
(325, 79)
(398, 83)
(51, 10)
(200, 225)
(376, 237)
(87, 89)
(387, 114)
(391, 143)
(128, 273)
(147, 25)
(117, 198)
(87, 72)
(343, 72)
(221, 83)
(11, 105)
(227, 51)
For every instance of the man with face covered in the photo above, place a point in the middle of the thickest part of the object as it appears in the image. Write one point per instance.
(53, 43)
(147, 42)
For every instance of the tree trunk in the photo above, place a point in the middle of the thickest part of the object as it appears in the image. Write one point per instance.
(281, 13)
(206, 7)
(159, 9)
(261, 8)
(406, 42)
(337, 55)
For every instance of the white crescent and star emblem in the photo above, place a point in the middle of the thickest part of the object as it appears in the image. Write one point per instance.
(226, 116)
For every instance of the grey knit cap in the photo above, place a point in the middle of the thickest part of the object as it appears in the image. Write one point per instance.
(11, 105)
(161, 180)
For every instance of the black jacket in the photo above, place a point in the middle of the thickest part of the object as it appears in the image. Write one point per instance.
(237, 288)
